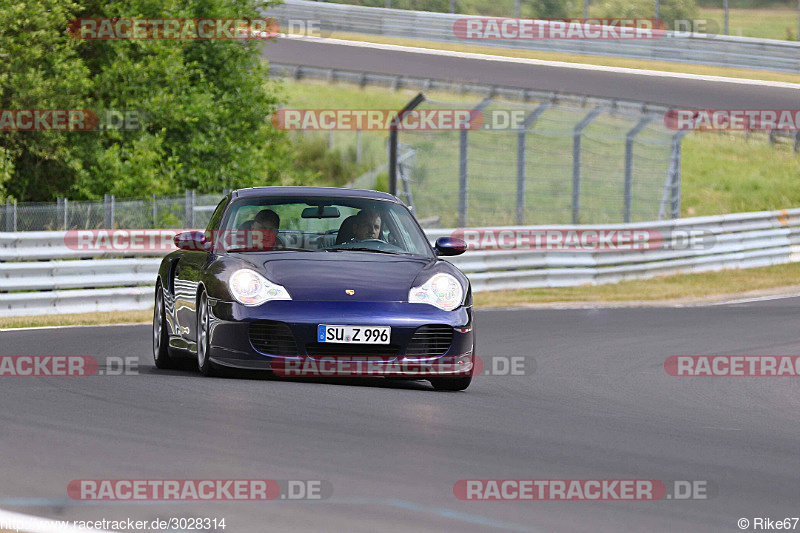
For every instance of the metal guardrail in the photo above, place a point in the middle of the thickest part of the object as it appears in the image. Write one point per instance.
(704, 49)
(37, 277)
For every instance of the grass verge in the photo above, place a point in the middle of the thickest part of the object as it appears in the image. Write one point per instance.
(642, 64)
(687, 288)
(81, 319)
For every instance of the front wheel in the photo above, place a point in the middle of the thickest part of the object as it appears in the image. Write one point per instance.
(204, 364)
(451, 384)
(160, 336)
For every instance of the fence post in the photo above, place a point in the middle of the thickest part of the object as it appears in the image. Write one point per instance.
(629, 138)
(59, 211)
(9, 222)
(358, 146)
(463, 159)
(15, 215)
(155, 214)
(189, 209)
(532, 117)
(108, 208)
(66, 214)
(675, 208)
(417, 100)
(576, 160)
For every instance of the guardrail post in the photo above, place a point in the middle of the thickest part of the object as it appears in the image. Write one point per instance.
(463, 157)
(532, 117)
(629, 138)
(576, 161)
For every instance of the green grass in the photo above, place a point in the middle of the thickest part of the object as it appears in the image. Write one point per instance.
(686, 288)
(778, 23)
(722, 173)
(729, 173)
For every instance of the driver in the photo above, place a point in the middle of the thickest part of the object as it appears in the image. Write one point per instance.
(367, 225)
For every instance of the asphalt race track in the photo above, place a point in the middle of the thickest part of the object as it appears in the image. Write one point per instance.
(623, 86)
(599, 405)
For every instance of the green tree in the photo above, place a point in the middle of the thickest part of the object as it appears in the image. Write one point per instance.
(206, 103)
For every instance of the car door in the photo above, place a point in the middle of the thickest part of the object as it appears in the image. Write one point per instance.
(187, 274)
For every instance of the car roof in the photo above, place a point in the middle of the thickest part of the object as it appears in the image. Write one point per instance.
(313, 191)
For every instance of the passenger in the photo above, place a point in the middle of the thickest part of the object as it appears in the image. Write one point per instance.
(267, 222)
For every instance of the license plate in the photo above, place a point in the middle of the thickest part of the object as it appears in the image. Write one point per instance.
(354, 334)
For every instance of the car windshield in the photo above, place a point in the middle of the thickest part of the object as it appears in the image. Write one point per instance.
(321, 224)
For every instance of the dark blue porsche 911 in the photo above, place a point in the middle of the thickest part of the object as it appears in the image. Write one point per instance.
(315, 281)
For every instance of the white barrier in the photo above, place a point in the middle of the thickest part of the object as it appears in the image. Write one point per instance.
(705, 49)
(39, 274)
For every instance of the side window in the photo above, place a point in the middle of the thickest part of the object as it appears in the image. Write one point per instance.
(216, 218)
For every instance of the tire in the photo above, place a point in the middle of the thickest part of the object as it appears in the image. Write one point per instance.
(451, 384)
(161, 355)
(204, 364)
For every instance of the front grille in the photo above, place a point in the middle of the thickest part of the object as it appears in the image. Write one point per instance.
(321, 349)
(432, 339)
(274, 338)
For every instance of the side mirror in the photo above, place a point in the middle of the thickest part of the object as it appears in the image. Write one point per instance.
(450, 246)
(192, 241)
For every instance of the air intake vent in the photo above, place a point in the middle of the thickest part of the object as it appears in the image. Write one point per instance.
(318, 349)
(430, 340)
(274, 338)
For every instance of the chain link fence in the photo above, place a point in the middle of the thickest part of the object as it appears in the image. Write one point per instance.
(560, 164)
(190, 210)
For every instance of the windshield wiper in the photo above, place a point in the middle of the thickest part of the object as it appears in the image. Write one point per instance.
(261, 249)
(365, 249)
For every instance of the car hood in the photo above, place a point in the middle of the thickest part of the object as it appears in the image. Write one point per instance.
(372, 277)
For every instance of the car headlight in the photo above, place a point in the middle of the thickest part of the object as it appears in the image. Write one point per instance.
(441, 290)
(251, 288)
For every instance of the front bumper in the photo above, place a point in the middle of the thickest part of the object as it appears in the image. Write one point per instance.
(231, 346)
